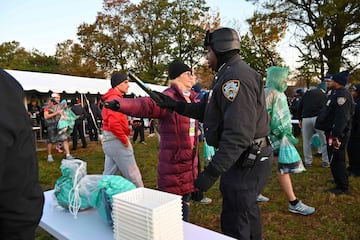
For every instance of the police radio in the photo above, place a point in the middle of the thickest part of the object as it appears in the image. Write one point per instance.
(251, 156)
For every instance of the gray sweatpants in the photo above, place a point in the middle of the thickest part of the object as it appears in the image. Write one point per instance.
(308, 130)
(120, 158)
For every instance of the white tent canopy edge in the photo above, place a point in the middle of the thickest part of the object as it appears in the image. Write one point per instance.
(49, 82)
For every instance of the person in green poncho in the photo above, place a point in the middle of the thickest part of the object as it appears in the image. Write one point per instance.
(281, 136)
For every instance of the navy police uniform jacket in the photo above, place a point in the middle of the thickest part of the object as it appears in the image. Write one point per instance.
(233, 112)
(337, 113)
(355, 127)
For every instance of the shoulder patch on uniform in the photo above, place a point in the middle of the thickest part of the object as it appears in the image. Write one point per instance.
(230, 89)
(340, 101)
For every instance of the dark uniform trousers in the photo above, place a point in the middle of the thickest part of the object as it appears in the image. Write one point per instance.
(340, 103)
(78, 132)
(92, 128)
(353, 155)
(338, 164)
(245, 223)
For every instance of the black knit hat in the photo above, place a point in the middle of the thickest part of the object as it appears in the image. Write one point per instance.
(176, 68)
(341, 77)
(117, 78)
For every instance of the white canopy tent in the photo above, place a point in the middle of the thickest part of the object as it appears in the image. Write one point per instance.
(48, 82)
(44, 83)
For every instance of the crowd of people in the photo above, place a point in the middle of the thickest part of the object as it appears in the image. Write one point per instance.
(62, 120)
(244, 125)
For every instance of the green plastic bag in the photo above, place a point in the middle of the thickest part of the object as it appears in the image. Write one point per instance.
(287, 152)
(102, 200)
(209, 152)
(315, 140)
(72, 173)
(67, 121)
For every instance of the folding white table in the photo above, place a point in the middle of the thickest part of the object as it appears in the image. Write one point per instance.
(89, 225)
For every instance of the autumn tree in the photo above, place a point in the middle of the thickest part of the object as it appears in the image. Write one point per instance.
(105, 41)
(204, 74)
(150, 38)
(187, 30)
(258, 46)
(71, 61)
(327, 32)
(13, 56)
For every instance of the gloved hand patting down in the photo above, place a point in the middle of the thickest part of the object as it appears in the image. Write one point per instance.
(163, 101)
(113, 105)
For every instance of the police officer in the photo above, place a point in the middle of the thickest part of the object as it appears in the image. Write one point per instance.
(236, 124)
(335, 120)
(78, 127)
(294, 105)
(354, 141)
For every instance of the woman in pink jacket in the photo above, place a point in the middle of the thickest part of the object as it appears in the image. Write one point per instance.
(178, 157)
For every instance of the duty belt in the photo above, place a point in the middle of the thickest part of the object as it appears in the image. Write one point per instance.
(262, 142)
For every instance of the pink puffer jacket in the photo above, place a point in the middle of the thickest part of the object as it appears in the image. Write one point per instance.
(178, 155)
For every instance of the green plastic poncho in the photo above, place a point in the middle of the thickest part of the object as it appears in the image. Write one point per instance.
(280, 118)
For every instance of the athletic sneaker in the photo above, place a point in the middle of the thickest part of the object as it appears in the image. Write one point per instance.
(50, 158)
(301, 208)
(205, 200)
(325, 165)
(69, 157)
(262, 198)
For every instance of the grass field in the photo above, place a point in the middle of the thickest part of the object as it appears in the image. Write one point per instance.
(336, 217)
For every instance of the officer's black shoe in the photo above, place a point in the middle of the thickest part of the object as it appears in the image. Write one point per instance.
(338, 191)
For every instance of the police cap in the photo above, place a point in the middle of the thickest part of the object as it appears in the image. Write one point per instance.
(222, 40)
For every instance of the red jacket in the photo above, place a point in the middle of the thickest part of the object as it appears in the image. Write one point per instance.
(115, 122)
(178, 156)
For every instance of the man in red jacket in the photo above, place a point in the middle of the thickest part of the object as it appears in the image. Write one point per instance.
(119, 153)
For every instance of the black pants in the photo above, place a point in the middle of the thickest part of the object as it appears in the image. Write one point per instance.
(185, 207)
(78, 132)
(354, 155)
(139, 130)
(198, 195)
(338, 165)
(93, 133)
(296, 130)
(240, 216)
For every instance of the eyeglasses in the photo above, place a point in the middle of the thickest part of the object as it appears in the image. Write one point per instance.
(189, 73)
